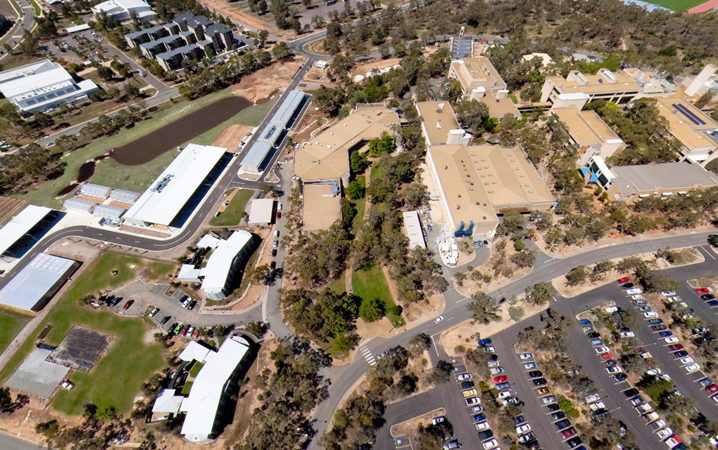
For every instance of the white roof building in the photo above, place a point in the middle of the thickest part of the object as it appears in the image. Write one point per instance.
(209, 387)
(42, 86)
(169, 193)
(95, 190)
(261, 211)
(167, 402)
(33, 287)
(20, 225)
(208, 241)
(412, 228)
(75, 204)
(194, 351)
(122, 9)
(224, 264)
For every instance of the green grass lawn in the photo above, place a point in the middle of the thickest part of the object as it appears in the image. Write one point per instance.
(119, 375)
(45, 194)
(251, 117)
(234, 211)
(678, 5)
(11, 323)
(377, 172)
(513, 98)
(338, 286)
(195, 369)
(133, 178)
(372, 284)
(360, 205)
(186, 388)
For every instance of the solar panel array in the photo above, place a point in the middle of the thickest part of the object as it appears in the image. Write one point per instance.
(688, 113)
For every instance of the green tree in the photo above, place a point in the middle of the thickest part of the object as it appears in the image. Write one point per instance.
(516, 313)
(483, 308)
(358, 162)
(473, 116)
(382, 145)
(355, 190)
(541, 293)
(259, 275)
(343, 344)
(281, 51)
(371, 309)
(576, 276)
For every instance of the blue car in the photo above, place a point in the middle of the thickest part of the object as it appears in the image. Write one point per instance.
(713, 303)
(665, 334)
(484, 341)
(479, 417)
(585, 322)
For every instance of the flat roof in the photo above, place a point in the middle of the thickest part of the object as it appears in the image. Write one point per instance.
(261, 210)
(34, 281)
(326, 156)
(475, 72)
(287, 109)
(438, 119)
(26, 70)
(20, 225)
(321, 207)
(36, 375)
(168, 194)
(676, 176)
(220, 261)
(38, 83)
(585, 127)
(499, 107)
(204, 397)
(687, 123)
(256, 155)
(413, 230)
(604, 82)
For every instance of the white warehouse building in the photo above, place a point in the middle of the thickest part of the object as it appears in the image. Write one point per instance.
(124, 9)
(42, 86)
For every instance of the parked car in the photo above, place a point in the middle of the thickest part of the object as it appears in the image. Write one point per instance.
(702, 291)
(464, 376)
(630, 393)
(473, 401)
(452, 445)
(711, 388)
(539, 382)
(633, 291)
(602, 349)
(128, 303)
(558, 416)
(523, 428)
(565, 423)
(620, 377)
(274, 252)
(593, 335)
(650, 314)
(543, 391)
(549, 399)
(659, 327)
(706, 381)
(675, 347)
(574, 442)
(165, 319)
(154, 312)
(494, 363)
(504, 394)
(655, 321)
(525, 356)
(553, 407)
(437, 420)
(665, 334)
(503, 385)
(668, 293)
(470, 393)
(484, 435)
(535, 374)
(623, 280)
(489, 349)
(497, 370)
(568, 433)
(477, 409)
(670, 340)
(529, 366)
(665, 433)
(500, 379)
(695, 367)
(467, 385)
(484, 341)
(481, 426)
(195, 335)
(489, 445)
(680, 354)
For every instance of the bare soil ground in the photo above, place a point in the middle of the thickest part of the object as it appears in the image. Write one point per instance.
(265, 82)
(377, 64)
(317, 75)
(231, 137)
(227, 10)
(410, 427)
(22, 423)
(703, 282)
(9, 207)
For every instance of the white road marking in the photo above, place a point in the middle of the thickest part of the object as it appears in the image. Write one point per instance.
(368, 356)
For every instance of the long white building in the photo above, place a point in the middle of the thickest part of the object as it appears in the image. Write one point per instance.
(226, 263)
(42, 86)
(123, 9)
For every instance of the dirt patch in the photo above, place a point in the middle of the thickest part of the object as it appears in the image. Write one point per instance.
(461, 334)
(231, 137)
(226, 10)
(9, 207)
(409, 427)
(703, 282)
(22, 423)
(378, 64)
(265, 82)
(317, 75)
(421, 310)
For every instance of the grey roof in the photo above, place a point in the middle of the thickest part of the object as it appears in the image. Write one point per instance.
(164, 40)
(204, 43)
(126, 197)
(217, 28)
(95, 190)
(32, 283)
(679, 176)
(178, 51)
(287, 109)
(185, 16)
(36, 375)
(76, 204)
(202, 20)
(108, 212)
(256, 155)
(137, 34)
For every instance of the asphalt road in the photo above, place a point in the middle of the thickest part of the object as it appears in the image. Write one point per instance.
(10, 442)
(27, 21)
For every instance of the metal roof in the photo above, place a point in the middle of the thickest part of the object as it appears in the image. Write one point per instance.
(20, 225)
(208, 388)
(33, 282)
(95, 190)
(287, 109)
(170, 191)
(75, 204)
(220, 261)
(256, 155)
(122, 196)
(412, 226)
(108, 212)
(261, 210)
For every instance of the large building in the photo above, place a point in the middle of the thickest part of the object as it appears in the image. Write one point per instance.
(23, 227)
(650, 180)
(42, 86)
(176, 189)
(476, 183)
(619, 87)
(125, 9)
(695, 130)
(226, 264)
(273, 133)
(589, 133)
(481, 81)
(35, 285)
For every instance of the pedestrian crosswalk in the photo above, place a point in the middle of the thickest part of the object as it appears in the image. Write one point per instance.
(367, 355)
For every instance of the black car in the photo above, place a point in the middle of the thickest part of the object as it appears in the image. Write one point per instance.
(627, 286)
(680, 354)
(655, 321)
(565, 423)
(535, 374)
(708, 297)
(114, 301)
(192, 304)
(630, 393)
(273, 265)
(593, 335)
(558, 416)
(184, 298)
(659, 327)
(540, 382)
(553, 407)
(467, 385)
(274, 252)
(485, 435)
(574, 442)
(610, 363)
(165, 319)
(518, 420)
(620, 377)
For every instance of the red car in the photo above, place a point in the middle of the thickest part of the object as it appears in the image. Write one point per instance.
(702, 291)
(184, 330)
(711, 388)
(195, 334)
(500, 379)
(675, 347)
(606, 356)
(568, 433)
(624, 280)
(279, 215)
(128, 304)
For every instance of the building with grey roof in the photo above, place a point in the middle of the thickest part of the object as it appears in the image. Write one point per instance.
(36, 375)
(107, 213)
(172, 60)
(33, 287)
(165, 44)
(124, 197)
(75, 204)
(151, 34)
(95, 190)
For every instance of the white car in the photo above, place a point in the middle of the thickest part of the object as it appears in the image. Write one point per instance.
(471, 401)
(666, 377)
(695, 367)
(437, 420)
(504, 394)
(671, 340)
(493, 443)
(489, 349)
(497, 370)
(633, 291)
(523, 428)
(665, 433)
(650, 314)
(525, 356)
(549, 399)
(670, 299)
(439, 319)
(655, 372)
(668, 293)
(602, 349)
(464, 377)
(683, 304)
(637, 297)
(612, 309)
(596, 406)
(482, 426)
(628, 334)
(592, 398)
(530, 366)
(495, 363)
(279, 206)
(686, 360)
(614, 370)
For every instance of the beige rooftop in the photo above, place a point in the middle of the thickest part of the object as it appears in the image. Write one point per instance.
(604, 82)
(326, 156)
(476, 72)
(499, 107)
(479, 180)
(692, 135)
(437, 118)
(585, 127)
(321, 209)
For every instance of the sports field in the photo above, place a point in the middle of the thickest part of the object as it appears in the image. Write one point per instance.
(678, 5)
